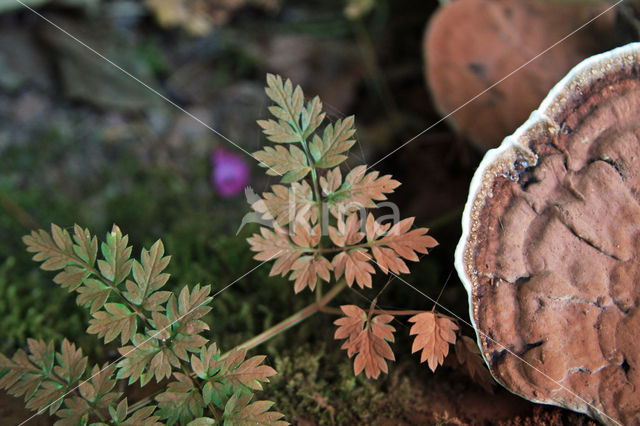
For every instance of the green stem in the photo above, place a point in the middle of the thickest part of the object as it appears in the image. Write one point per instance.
(199, 386)
(292, 320)
(316, 192)
(18, 213)
(96, 412)
(144, 401)
(376, 77)
(70, 388)
(107, 282)
(119, 293)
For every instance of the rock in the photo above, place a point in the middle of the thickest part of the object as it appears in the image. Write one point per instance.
(22, 61)
(87, 77)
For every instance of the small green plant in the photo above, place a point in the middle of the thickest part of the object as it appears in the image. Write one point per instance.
(160, 335)
(322, 230)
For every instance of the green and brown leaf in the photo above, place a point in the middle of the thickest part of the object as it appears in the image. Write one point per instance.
(240, 411)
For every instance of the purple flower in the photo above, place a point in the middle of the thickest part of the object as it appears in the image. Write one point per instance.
(230, 172)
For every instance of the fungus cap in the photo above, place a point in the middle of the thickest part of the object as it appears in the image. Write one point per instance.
(470, 45)
(548, 253)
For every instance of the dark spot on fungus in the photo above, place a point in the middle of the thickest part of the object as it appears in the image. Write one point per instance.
(497, 356)
(625, 366)
(532, 345)
(478, 69)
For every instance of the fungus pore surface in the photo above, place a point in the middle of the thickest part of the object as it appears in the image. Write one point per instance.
(549, 252)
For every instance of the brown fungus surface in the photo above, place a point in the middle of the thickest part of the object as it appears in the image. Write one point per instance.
(470, 45)
(551, 236)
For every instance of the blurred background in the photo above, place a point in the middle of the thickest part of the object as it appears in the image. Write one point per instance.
(83, 142)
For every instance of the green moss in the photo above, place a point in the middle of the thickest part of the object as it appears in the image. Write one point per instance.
(315, 383)
(28, 309)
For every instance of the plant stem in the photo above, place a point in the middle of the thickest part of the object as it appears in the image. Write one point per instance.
(376, 77)
(68, 388)
(144, 401)
(18, 213)
(109, 283)
(396, 313)
(118, 292)
(96, 412)
(292, 320)
(402, 312)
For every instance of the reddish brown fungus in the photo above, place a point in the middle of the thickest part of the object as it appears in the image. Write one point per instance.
(472, 44)
(549, 252)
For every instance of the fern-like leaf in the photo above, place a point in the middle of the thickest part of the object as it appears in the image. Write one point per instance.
(19, 375)
(37, 377)
(99, 389)
(116, 265)
(76, 412)
(359, 190)
(50, 395)
(367, 339)
(174, 335)
(148, 276)
(307, 270)
(291, 164)
(85, 246)
(181, 402)
(77, 258)
(54, 251)
(355, 265)
(388, 247)
(71, 363)
(115, 320)
(137, 359)
(288, 204)
(225, 376)
(148, 357)
(240, 411)
(57, 251)
(434, 333)
(143, 416)
(239, 371)
(287, 249)
(185, 311)
(328, 150)
(275, 245)
(288, 108)
(42, 354)
(93, 294)
(401, 242)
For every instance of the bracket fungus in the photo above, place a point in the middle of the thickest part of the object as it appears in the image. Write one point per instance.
(471, 44)
(549, 250)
